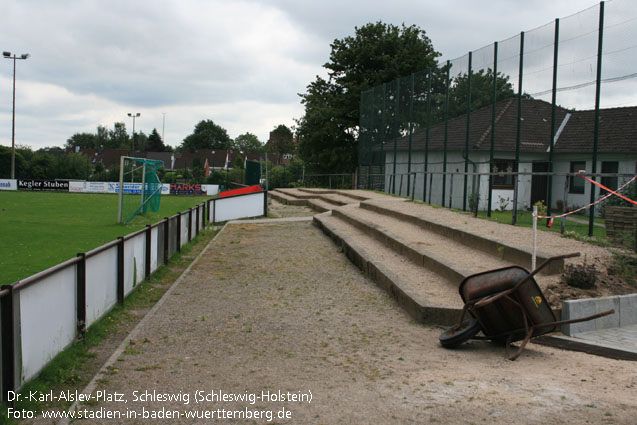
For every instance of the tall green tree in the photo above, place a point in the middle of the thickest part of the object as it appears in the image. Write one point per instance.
(281, 140)
(247, 143)
(118, 137)
(376, 54)
(207, 135)
(81, 140)
(155, 143)
(481, 91)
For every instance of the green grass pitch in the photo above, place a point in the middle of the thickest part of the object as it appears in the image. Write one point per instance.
(41, 229)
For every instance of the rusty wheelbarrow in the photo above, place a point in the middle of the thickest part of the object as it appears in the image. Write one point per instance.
(507, 305)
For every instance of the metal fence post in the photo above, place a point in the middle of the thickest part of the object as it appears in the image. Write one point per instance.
(8, 343)
(467, 135)
(427, 125)
(600, 39)
(80, 291)
(549, 194)
(566, 183)
(189, 224)
(518, 132)
(166, 239)
(203, 216)
(444, 153)
(179, 232)
(265, 203)
(197, 221)
(493, 110)
(120, 270)
(149, 249)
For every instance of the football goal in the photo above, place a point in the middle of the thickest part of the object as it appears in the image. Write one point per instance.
(139, 187)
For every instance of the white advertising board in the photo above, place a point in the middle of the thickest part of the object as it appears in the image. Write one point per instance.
(7, 184)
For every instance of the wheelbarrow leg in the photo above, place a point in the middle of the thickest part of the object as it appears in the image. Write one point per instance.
(524, 342)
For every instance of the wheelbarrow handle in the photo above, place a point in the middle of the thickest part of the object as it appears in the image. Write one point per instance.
(491, 298)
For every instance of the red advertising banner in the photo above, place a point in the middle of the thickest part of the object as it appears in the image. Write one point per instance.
(249, 189)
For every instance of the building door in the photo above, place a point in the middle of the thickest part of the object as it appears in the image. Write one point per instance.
(539, 184)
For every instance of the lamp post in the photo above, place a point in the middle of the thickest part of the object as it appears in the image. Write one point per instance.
(134, 115)
(7, 55)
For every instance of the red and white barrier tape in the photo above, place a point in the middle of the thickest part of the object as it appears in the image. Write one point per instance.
(612, 192)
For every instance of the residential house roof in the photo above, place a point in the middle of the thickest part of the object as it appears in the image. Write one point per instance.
(574, 130)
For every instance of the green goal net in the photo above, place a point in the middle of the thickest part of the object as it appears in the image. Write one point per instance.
(139, 187)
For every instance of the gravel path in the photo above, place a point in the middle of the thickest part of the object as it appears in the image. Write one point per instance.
(272, 308)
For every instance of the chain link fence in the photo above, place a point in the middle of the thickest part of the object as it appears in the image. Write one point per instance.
(509, 125)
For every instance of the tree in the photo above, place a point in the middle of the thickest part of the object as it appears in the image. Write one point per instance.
(376, 54)
(481, 91)
(82, 140)
(5, 164)
(207, 135)
(73, 166)
(141, 141)
(101, 136)
(43, 166)
(281, 140)
(247, 143)
(155, 143)
(118, 137)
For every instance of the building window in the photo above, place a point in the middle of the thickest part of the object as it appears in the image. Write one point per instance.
(503, 166)
(576, 185)
(610, 167)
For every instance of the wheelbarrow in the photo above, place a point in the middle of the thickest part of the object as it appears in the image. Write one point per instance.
(507, 305)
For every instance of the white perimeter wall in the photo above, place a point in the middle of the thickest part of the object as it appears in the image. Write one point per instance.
(47, 319)
(101, 284)
(134, 261)
(243, 206)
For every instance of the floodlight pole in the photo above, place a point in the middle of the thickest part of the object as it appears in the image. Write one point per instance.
(120, 194)
(134, 115)
(24, 56)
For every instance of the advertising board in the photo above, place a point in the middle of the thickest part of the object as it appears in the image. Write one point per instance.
(48, 185)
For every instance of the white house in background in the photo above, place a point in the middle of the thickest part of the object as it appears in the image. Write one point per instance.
(573, 148)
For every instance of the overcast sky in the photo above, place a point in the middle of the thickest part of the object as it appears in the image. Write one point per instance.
(238, 63)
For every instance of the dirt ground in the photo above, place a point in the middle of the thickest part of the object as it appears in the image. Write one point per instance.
(275, 310)
(278, 210)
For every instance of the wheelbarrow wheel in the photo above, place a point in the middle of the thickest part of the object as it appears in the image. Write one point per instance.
(455, 336)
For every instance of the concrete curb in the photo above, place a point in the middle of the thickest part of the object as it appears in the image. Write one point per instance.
(574, 344)
(92, 385)
(494, 247)
(418, 308)
(625, 307)
(271, 220)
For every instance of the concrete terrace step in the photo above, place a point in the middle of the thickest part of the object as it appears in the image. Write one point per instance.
(422, 246)
(319, 205)
(286, 199)
(338, 199)
(425, 295)
(415, 214)
(351, 194)
(296, 193)
(319, 199)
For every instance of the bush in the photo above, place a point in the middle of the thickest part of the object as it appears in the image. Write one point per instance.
(582, 276)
